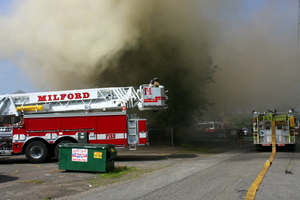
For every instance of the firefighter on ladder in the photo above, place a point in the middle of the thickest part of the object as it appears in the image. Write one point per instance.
(240, 135)
(154, 82)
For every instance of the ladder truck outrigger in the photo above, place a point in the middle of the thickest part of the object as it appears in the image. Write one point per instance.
(35, 124)
(272, 126)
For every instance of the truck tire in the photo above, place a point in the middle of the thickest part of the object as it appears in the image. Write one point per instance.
(36, 152)
(56, 149)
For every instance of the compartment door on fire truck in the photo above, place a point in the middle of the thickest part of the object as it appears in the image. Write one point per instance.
(142, 130)
(112, 129)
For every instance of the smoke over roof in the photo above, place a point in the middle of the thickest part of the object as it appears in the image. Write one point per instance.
(76, 44)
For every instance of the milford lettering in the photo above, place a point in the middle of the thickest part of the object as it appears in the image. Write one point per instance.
(61, 97)
(55, 98)
(42, 98)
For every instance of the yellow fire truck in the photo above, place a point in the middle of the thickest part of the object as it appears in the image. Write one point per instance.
(283, 125)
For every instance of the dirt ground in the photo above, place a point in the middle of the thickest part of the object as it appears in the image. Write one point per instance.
(20, 179)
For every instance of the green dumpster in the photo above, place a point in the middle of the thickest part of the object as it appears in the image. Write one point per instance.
(86, 157)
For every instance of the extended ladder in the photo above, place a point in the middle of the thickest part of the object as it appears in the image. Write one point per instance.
(84, 100)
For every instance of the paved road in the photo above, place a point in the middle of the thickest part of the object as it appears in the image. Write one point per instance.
(282, 180)
(20, 179)
(223, 176)
(217, 176)
(220, 176)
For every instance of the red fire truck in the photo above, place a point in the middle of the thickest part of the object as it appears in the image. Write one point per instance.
(35, 124)
(210, 127)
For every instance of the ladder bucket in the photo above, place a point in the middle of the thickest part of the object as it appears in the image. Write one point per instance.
(153, 98)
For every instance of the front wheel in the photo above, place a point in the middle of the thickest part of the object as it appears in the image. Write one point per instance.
(36, 152)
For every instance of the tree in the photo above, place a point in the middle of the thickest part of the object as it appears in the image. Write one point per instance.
(240, 120)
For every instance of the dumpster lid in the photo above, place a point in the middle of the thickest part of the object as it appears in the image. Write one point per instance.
(86, 145)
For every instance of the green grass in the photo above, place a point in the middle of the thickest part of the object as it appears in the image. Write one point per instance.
(119, 174)
(31, 181)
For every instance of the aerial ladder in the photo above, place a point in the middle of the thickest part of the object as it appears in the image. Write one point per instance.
(85, 100)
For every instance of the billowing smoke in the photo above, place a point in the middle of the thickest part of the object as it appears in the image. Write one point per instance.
(80, 44)
(61, 44)
(257, 55)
